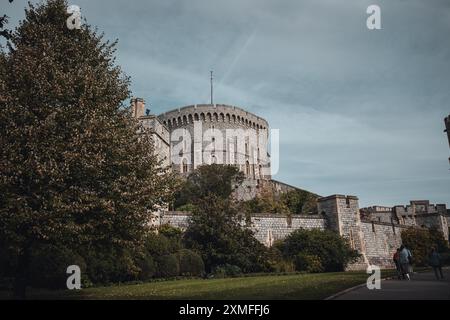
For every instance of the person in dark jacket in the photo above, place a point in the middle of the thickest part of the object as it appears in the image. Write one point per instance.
(397, 263)
(434, 260)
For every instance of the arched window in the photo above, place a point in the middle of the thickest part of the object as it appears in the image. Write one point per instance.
(196, 117)
(190, 118)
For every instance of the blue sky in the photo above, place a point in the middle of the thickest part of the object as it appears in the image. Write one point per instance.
(360, 112)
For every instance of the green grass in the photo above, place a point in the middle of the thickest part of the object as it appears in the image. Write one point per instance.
(296, 286)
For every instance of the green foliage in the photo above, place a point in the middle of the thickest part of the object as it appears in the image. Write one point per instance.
(291, 202)
(276, 260)
(148, 268)
(308, 262)
(186, 207)
(75, 170)
(265, 202)
(226, 270)
(420, 242)
(215, 232)
(328, 247)
(191, 263)
(49, 264)
(300, 201)
(106, 265)
(214, 179)
(168, 266)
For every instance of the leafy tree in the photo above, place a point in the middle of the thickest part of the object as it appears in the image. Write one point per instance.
(5, 33)
(300, 201)
(318, 249)
(420, 242)
(215, 179)
(265, 202)
(191, 264)
(75, 170)
(215, 231)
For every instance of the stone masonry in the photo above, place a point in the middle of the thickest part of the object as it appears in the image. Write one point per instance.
(375, 232)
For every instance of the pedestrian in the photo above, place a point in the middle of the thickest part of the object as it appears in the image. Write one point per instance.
(397, 263)
(405, 258)
(434, 260)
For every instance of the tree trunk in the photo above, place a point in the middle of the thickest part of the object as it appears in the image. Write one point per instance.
(21, 276)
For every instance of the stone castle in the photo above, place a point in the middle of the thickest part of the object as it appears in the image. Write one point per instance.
(188, 137)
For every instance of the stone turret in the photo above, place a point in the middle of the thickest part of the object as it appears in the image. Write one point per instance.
(342, 215)
(137, 107)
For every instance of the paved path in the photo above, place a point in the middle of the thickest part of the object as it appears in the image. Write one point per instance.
(423, 286)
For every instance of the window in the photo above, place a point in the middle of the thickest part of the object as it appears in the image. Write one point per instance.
(247, 168)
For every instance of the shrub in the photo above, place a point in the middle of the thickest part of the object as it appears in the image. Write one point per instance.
(107, 265)
(148, 268)
(227, 270)
(333, 251)
(167, 266)
(308, 262)
(49, 264)
(191, 263)
(420, 241)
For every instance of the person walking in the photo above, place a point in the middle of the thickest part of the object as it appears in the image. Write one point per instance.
(396, 258)
(434, 261)
(405, 258)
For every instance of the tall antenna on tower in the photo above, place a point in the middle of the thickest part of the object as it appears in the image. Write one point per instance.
(212, 92)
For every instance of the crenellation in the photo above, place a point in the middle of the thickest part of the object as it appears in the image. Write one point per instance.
(375, 232)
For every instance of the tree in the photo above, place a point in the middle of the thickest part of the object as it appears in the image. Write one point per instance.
(308, 248)
(215, 179)
(300, 201)
(215, 232)
(420, 242)
(5, 33)
(75, 170)
(266, 202)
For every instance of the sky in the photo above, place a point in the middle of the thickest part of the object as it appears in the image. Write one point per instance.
(360, 112)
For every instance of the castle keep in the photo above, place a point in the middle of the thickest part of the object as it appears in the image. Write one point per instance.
(187, 137)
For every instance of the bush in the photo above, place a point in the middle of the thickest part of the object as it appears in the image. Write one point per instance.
(111, 265)
(49, 264)
(420, 241)
(148, 268)
(167, 266)
(308, 262)
(227, 270)
(191, 263)
(333, 251)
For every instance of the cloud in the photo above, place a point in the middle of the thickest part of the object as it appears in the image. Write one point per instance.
(360, 112)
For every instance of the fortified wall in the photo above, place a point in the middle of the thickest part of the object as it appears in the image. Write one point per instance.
(375, 240)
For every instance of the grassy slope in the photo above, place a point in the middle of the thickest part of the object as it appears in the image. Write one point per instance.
(298, 286)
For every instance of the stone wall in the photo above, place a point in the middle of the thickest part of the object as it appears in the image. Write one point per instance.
(271, 227)
(222, 134)
(267, 227)
(380, 242)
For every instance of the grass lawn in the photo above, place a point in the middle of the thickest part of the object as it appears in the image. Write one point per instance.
(296, 286)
